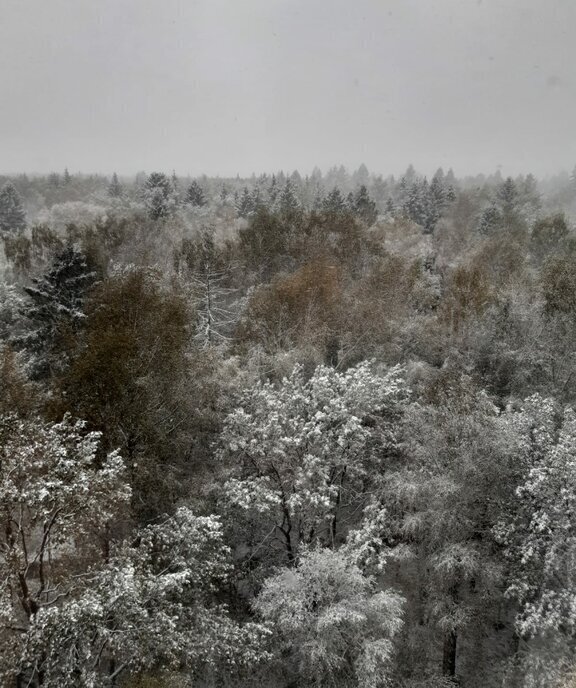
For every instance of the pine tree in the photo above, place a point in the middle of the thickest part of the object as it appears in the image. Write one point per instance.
(508, 195)
(415, 204)
(66, 177)
(272, 191)
(195, 195)
(115, 188)
(490, 221)
(437, 199)
(54, 179)
(364, 206)
(334, 203)
(288, 203)
(55, 302)
(175, 184)
(12, 216)
(245, 203)
(361, 177)
(159, 196)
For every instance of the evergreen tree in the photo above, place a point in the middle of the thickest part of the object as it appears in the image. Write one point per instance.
(224, 191)
(450, 178)
(195, 195)
(437, 199)
(508, 196)
(490, 221)
(361, 177)
(547, 234)
(159, 196)
(55, 304)
(257, 200)
(334, 203)
(272, 190)
(175, 184)
(115, 188)
(66, 177)
(364, 206)
(12, 216)
(437, 191)
(245, 204)
(288, 203)
(415, 204)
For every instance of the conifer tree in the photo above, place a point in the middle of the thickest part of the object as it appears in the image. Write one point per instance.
(175, 184)
(115, 188)
(508, 195)
(364, 206)
(334, 203)
(245, 203)
(54, 303)
(54, 179)
(195, 195)
(490, 221)
(159, 196)
(288, 203)
(12, 216)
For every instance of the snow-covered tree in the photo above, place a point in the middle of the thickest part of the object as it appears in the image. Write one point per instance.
(245, 205)
(195, 195)
(159, 196)
(115, 188)
(507, 196)
(364, 206)
(333, 202)
(287, 202)
(55, 301)
(211, 297)
(12, 304)
(150, 607)
(12, 216)
(459, 475)
(547, 234)
(540, 533)
(490, 221)
(329, 619)
(79, 610)
(57, 497)
(303, 452)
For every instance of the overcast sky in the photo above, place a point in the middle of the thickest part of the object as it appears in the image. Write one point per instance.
(242, 86)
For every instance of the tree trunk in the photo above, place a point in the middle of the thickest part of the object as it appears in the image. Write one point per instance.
(449, 654)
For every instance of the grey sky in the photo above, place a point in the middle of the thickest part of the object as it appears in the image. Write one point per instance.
(227, 86)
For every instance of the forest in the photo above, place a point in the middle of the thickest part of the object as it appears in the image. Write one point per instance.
(288, 430)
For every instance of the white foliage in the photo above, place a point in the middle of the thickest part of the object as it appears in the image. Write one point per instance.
(326, 613)
(300, 448)
(541, 535)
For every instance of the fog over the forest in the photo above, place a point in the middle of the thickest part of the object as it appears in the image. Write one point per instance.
(226, 87)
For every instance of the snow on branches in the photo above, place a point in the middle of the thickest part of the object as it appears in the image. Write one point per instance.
(303, 452)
